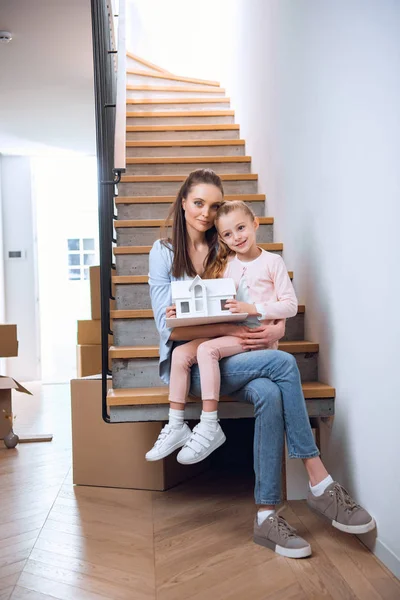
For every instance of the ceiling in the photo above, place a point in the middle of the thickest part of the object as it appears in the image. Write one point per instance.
(46, 78)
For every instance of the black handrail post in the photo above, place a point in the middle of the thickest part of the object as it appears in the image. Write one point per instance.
(105, 97)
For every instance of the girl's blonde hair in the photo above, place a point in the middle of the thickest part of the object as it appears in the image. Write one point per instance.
(224, 252)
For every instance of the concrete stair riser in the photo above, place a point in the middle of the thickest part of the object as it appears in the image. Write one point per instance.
(160, 210)
(146, 236)
(132, 79)
(208, 134)
(186, 168)
(179, 106)
(131, 63)
(170, 151)
(200, 120)
(171, 188)
(143, 372)
(143, 332)
(146, 94)
(138, 264)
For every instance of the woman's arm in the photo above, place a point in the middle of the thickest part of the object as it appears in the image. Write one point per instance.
(160, 287)
(264, 336)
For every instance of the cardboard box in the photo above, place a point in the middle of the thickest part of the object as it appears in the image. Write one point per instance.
(95, 301)
(88, 359)
(89, 333)
(8, 341)
(112, 455)
(7, 384)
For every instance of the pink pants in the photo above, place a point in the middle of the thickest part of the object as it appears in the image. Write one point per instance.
(207, 353)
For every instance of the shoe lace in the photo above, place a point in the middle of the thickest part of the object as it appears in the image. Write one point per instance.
(199, 439)
(285, 530)
(165, 431)
(343, 497)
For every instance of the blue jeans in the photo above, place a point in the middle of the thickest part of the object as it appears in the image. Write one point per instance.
(270, 380)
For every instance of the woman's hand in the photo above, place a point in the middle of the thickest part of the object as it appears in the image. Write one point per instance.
(171, 312)
(262, 337)
(241, 307)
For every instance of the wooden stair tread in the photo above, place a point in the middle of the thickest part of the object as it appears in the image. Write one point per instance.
(118, 250)
(166, 75)
(148, 313)
(182, 143)
(150, 101)
(160, 222)
(179, 113)
(136, 279)
(196, 127)
(175, 88)
(159, 395)
(157, 160)
(161, 178)
(170, 199)
(125, 352)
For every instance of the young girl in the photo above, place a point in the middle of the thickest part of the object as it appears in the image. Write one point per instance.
(264, 291)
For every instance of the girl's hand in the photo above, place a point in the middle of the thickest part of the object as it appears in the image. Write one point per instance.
(241, 307)
(171, 312)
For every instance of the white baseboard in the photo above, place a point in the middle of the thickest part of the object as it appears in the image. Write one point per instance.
(381, 551)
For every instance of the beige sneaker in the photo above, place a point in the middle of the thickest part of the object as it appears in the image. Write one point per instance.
(275, 533)
(339, 508)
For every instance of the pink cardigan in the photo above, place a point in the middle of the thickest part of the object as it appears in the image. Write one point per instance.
(268, 283)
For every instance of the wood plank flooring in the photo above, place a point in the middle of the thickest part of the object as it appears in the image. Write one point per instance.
(192, 542)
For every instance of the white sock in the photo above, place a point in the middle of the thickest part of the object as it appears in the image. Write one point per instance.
(210, 419)
(176, 417)
(264, 514)
(319, 489)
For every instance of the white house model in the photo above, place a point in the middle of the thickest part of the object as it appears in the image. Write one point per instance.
(202, 297)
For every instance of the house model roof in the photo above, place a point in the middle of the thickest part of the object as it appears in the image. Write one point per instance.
(214, 287)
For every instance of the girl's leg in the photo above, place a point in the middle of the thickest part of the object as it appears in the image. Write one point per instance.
(208, 356)
(183, 358)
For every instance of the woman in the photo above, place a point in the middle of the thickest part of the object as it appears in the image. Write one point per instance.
(260, 377)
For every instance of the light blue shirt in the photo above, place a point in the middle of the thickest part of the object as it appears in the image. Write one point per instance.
(160, 277)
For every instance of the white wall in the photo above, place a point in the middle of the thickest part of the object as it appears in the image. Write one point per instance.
(19, 275)
(317, 92)
(315, 85)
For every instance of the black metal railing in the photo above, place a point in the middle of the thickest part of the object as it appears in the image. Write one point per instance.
(108, 177)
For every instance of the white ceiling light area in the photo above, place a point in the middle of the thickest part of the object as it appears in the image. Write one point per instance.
(46, 78)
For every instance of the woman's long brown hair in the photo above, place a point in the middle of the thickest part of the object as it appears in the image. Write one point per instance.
(178, 241)
(224, 252)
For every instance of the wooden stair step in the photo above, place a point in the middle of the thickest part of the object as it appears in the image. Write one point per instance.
(126, 352)
(118, 250)
(171, 199)
(134, 101)
(137, 279)
(182, 143)
(197, 127)
(165, 75)
(161, 178)
(179, 113)
(159, 160)
(148, 313)
(161, 222)
(174, 88)
(159, 395)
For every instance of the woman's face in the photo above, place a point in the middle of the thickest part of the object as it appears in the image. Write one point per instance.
(201, 205)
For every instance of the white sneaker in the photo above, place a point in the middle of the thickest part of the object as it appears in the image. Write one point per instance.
(201, 444)
(170, 439)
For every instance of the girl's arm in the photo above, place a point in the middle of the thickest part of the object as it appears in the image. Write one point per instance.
(286, 305)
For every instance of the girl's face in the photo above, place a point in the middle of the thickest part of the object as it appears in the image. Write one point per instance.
(201, 205)
(238, 231)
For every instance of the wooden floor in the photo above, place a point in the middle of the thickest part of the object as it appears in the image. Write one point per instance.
(192, 542)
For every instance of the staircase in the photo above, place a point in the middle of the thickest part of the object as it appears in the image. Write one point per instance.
(173, 126)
